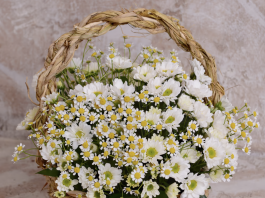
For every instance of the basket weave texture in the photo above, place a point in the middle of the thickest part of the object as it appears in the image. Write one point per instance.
(62, 50)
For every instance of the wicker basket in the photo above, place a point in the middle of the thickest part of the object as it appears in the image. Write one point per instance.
(61, 52)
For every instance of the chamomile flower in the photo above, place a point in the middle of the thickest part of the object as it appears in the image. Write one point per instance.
(199, 140)
(166, 170)
(246, 149)
(19, 148)
(137, 175)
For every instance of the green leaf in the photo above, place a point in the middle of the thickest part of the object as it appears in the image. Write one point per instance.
(203, 196)
(124, 79)
(50, 172)
(162, 194)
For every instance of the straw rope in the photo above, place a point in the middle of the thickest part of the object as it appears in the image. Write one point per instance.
(61, 51)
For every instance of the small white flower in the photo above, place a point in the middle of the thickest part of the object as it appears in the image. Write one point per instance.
(151, 189)
(119, 62)
(194, 186)
(172, 190)
(214, 152)
(185, 102)
(200, 72)
(202, 114)
(195, 88)
(144, 73)
(170, 90)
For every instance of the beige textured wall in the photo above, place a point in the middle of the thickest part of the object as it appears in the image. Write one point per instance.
(231, 30)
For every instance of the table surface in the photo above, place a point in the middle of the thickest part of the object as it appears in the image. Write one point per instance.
(20, 181)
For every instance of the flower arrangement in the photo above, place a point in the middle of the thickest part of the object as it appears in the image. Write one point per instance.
(122, 127)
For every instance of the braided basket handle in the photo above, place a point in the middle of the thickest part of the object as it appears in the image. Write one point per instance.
(61, 52)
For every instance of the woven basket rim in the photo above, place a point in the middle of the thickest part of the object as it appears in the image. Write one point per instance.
(62, 50)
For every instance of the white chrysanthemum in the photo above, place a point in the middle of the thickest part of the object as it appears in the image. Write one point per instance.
(95, 89)
(153, 151)
(150, 188)
(110, 175)
(119, 62)
(48, 153)
(180, 168)
(86, 176)
(119, 88)
(144, 73)
(172, 118)
(195, 88)
(52, 98)
(185, 102)
(172, 190)
(216, 174)
(36, 77)
(154, 85)
(76, 132)
(75, 62)
(218, 130)
(190, 154)
(155, 110)
(194, 186)
(214, 152)
(200, 72)
(170, 90)
(202, 114)
(65, 183)
(91, 67)
(78, 90)
(152, 118)
(22, 125)
(226, 104)
(31, 114)
(95, 194)
(167, 68)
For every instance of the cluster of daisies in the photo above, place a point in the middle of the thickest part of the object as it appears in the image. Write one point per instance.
(138, 129)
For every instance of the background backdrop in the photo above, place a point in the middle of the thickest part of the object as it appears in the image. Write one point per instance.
(232, 31)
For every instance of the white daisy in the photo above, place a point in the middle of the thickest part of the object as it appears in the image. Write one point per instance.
(168, 68)
(76, 132)
(170, 90)
(172, 118)
(95, 89)
(194, 186)
(180, 168)
(119, 88)
(214, 152)
(110, 175)
(65, 183)
(152, 151)
(119, 62)
(154, 85)
(144, 73)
